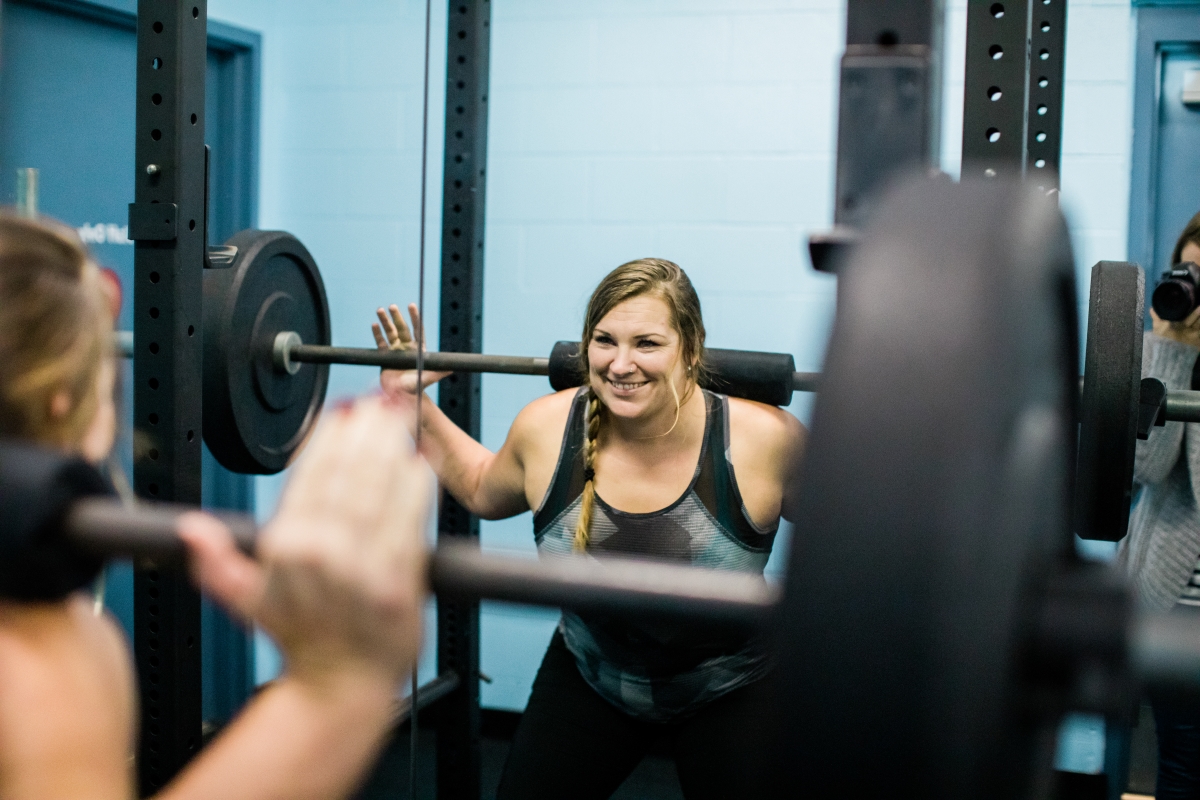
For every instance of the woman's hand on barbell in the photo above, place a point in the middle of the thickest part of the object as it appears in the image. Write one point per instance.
(392, 333)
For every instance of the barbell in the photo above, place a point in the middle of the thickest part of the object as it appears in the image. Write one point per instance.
(267, 350)
(934, 623)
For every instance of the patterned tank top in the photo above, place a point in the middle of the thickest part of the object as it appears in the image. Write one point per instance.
(658, 669)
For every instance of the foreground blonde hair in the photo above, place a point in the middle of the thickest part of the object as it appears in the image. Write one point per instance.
(646, 276)
(55, 331)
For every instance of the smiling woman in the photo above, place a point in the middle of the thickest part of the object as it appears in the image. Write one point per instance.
(639, 461)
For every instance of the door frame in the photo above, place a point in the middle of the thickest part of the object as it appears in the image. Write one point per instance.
(1159, 26)
(241, 52)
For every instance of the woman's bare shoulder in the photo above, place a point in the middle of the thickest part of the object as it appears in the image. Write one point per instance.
(548, 412)
(762, 422)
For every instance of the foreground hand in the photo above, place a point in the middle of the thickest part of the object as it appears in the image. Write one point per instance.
(391, 333)
(1186, 332)
(340, 577)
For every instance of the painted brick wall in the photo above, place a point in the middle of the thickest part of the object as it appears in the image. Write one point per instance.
(696, 130)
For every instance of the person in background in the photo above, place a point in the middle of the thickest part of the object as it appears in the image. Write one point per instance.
(1161, 553)
(338, 580)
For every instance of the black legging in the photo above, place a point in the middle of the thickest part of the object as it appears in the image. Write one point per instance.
(572, 743)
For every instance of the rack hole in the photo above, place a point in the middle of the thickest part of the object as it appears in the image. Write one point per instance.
(888, 38)
(158, 28)
(1041, 136)
(156, 98)
(153, 489)
(462, 34)
(191, 224)
(195, 12)
(462, 59)
(993, 135)
(193, 119)
(191, 435)
(1045, 27)
(153, 419)
(458, 184)
(994, 93)
(153, 457)
(154, 313)
(1040, 163)
(191, 330)
(1044, 55)
(997, 10)
(455, 257)
(461, 84)
(1043, 82)
(996, 52)
(156, 134)
(154, 383)
(1041, 110)
(156, 63)
(154, 348)
(154, 277)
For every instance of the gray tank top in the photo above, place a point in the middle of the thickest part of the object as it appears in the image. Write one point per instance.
(656, 669)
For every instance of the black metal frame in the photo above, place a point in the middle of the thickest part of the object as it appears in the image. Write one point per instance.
(167, 226)
(1012, 97)
(468, 38)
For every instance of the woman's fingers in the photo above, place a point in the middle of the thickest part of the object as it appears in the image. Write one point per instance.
(218, 568)
(380, 339)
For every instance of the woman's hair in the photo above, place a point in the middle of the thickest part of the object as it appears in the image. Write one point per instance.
(1190, 235)
(55, 330)
(646, 276)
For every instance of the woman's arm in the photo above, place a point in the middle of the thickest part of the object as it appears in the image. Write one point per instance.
(1171, 362)
(489, 485)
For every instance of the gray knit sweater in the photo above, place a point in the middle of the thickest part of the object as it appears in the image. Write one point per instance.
(1160, 552)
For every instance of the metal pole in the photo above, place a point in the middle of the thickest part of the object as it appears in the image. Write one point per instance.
(996, 85)
(166, 222)
(464, 183)
(1048, 41)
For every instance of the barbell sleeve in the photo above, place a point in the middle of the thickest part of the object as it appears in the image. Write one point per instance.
(1182, 406)
(107, 528)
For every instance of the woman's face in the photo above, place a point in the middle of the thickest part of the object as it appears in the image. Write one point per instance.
(634, 353)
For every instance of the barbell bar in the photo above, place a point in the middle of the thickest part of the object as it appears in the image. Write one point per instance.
(288, 352)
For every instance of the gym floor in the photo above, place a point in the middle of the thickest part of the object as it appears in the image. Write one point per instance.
(654, 779)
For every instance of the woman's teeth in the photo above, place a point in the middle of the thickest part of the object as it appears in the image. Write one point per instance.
(626, 386)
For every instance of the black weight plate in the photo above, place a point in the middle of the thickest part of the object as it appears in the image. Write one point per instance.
(255, 416)
(1108, 413)
(934, 496)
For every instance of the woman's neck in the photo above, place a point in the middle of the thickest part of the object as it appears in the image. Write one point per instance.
(660, 430)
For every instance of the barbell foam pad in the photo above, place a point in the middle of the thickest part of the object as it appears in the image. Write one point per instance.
(37, 486)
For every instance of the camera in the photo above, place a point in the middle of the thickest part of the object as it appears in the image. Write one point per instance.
(1178, 293)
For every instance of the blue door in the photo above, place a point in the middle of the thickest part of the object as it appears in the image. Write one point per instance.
(67, 82)
(1178, 150)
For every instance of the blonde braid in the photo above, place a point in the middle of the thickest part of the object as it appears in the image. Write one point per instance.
(590, 447)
